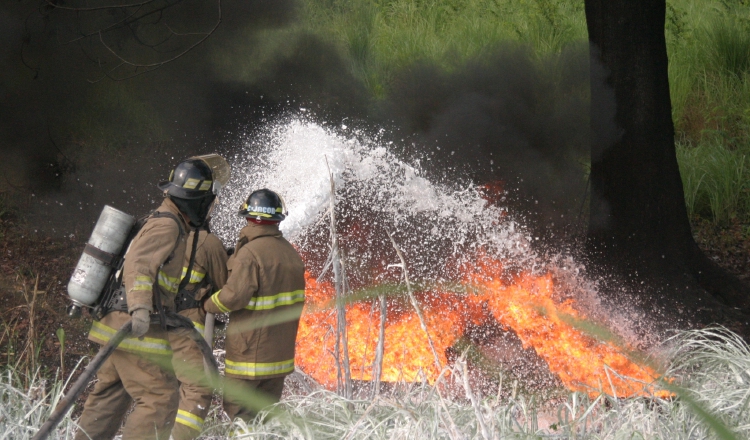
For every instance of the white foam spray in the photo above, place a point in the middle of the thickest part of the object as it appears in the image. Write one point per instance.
(437, 226)
(441, 229)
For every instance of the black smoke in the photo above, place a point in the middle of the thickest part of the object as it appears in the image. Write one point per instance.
(76, 134)
(507, 118)
(80, 128)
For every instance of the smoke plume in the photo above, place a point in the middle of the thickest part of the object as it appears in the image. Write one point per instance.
(77, 135)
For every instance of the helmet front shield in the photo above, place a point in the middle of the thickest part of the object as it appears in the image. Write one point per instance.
(220, 169)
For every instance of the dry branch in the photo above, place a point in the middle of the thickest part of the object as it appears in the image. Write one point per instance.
(414, 303)
(339, 279)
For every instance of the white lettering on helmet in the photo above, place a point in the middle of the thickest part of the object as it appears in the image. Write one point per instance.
(264, 209)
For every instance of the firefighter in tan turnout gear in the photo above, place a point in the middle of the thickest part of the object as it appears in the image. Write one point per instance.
(264, 294)
(140, 369)
(209, 273)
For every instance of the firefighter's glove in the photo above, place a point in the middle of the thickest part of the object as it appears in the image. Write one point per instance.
(141, 319)
(202, 306)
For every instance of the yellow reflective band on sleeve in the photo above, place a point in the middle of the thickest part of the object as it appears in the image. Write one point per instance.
(200, 327)
(143, 283)
(169, 283)
(215, 300)
(191, 183)
(278, 300)
(205, 185)
(104, 333)
(195, 276)
(259, 214)
(189, 420)
(258, 369)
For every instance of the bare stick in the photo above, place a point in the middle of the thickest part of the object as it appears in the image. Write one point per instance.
(339, 280)
(413, 300)
(460, 366)
(377, 369)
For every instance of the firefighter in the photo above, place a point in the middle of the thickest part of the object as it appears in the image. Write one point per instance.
(264, 295)
(140, 369)
(209, 273)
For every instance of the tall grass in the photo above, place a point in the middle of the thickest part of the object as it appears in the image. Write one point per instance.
(708, 373)
(709, 48)
(380, 37)
(710, 379)
(716, 180)
(26, 403)
(709, 44)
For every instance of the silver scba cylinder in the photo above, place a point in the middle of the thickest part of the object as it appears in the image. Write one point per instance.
(99, 258)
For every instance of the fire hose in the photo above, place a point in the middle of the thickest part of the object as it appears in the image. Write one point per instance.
(208, 331)
(173, 321)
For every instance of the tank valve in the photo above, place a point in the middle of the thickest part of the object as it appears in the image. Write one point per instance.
(74, 311)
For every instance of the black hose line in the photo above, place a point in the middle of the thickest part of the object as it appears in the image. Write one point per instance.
(173, 321)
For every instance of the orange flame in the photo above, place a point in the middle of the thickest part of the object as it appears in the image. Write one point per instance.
(526, 305)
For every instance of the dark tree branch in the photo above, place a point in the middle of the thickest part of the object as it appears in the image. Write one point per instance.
(113, 26)
(151, 66)
(144, 23)
(98, 8)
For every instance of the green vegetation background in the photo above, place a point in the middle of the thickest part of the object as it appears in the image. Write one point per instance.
(708, 46)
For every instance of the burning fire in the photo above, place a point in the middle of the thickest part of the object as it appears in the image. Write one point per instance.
(526, 305)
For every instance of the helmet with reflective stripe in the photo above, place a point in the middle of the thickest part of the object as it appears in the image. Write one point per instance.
(191, 179)
(264, 204)
(193, 185)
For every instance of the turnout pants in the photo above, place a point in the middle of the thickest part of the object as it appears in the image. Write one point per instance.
(123, 378)
(195, 390)
(246, 405)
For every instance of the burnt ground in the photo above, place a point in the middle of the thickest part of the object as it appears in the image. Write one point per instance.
(30, 323)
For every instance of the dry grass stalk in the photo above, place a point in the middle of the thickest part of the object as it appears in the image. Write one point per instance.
(341, 349)
(30, 351)
(377, 368)
(460, 368)
(414, 303)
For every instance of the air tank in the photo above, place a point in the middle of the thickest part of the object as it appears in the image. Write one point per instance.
(99, 258)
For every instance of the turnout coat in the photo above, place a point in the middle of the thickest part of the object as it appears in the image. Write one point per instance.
(152, 269)
(264, 293)
(209, 273)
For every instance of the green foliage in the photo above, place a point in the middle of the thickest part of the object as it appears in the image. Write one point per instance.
(60, 333)
(27, 402)
(716, 181)
(729, 44)
(381, 37)
(708, 46)
(709, 49)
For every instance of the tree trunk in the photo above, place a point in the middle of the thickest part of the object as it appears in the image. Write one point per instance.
(638, 220)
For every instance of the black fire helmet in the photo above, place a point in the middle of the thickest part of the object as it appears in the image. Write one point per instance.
(264, 204)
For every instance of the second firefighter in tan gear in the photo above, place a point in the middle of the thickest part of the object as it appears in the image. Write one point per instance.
(264, 293)
(208, 275)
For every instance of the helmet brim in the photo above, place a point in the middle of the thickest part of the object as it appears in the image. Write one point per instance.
(244, 213)
(180, 192)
